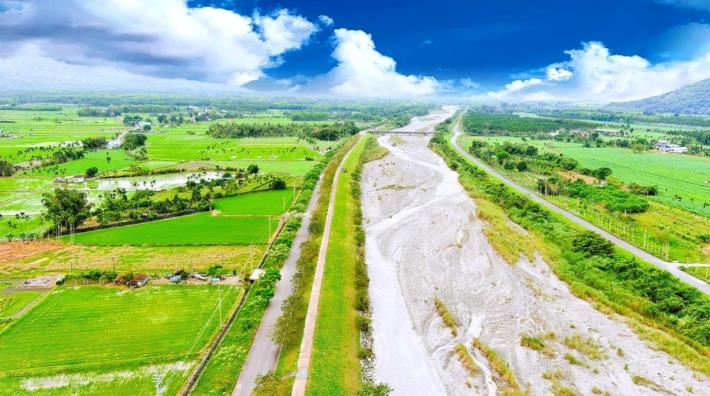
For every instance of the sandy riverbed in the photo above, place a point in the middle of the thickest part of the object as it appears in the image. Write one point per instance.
(425, 241)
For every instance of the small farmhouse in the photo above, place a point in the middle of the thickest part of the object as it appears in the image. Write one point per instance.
(668, 147)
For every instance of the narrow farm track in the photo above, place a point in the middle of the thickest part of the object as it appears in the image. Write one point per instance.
(263, 354)
(306, 349)
(641, 254)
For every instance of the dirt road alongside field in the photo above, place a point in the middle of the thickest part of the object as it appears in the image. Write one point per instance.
(424, 241)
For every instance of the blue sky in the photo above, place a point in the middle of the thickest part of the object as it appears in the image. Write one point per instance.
(488, 41)
(507, 49)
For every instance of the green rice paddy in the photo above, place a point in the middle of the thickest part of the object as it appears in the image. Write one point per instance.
(150, 327)
(195, 229)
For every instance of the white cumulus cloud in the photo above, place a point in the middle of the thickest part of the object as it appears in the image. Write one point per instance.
(162, 38)
(558, 74)
(326, 20)
(363, 71)
(594, 73)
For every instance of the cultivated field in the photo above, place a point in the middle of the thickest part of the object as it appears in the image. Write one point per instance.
(686, 176)
(36, 258)
(195, 229)
(267, 203)
(61, 345)
(239, 220)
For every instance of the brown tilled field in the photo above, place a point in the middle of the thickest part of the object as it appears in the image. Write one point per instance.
(18, 250)
(37, 258)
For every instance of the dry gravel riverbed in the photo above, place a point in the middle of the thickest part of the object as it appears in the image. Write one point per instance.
(424, 241)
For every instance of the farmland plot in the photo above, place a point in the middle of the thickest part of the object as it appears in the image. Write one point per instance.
(239, 220)
(156, 335)
(196, 229)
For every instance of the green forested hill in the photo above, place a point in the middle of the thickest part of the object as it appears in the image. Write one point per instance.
(691, 99)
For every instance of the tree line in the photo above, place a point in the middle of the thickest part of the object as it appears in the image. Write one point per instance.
(527, 158)
(334, 131)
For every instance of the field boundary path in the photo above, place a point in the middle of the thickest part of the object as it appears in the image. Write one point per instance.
(641, 254)
(263, 353)
(306, 349)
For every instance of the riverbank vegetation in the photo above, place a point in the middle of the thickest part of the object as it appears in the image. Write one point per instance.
(671, 315)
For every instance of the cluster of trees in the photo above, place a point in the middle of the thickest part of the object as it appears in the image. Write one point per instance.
(66, 208)
(132, 141)
(129, 120)
(610, 196)
(172, 119)
(6, 168)
(522, 157)
(309, 116)
(330, 132)
(117, 205)
(31, 107)
(476, 123)
(642, 190)
(94, 143)
(91, 171)
(114, 111)
(600, 173)
(99, 112)
(65, 154)
(649, 117)
(95, 275)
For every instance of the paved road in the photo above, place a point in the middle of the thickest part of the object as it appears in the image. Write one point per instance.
(304, 354)
(264, 353)
(670, 267)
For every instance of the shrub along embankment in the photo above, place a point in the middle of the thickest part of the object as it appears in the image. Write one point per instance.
(673, 316)
(223, 368)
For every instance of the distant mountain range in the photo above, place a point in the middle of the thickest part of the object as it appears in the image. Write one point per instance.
(691, 99)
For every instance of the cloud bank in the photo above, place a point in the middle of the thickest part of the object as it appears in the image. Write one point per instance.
(161, 38)
(593, 73)
(363, 71)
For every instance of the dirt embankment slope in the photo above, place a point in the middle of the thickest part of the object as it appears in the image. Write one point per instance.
(424, 241)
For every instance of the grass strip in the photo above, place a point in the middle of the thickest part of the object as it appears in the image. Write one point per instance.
(446, 316)
(504, 374)
(337, 322)
(466, 359)
(536, 344)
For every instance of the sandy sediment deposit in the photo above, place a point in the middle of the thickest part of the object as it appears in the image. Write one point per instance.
(424, 241)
